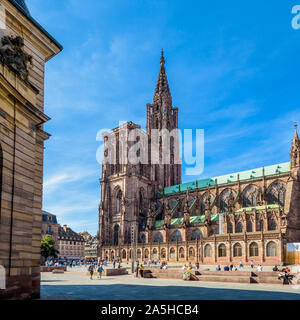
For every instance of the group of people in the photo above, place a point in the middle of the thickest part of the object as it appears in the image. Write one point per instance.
(190, 266)
(284, 274)
(238, 267)
(99, 267)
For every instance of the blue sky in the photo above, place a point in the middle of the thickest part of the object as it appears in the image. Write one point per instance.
(233, 69)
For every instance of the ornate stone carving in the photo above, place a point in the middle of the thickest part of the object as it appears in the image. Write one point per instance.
(13, 55)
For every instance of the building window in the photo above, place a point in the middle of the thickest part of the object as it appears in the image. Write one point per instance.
(229, 227)
(253, 249)
(139, 254)
(271, 249)
(196, 235)
(222, 250)
(261, 225)
(237, 250)
(163, 253)
(250, 196)
(181, 253)
(224, 199)
(154, 253)
(176, 236)
(116, 234)
(158, 237)
(239, 227)
(276, 193)
(118, 200)
(249, 226)
(272, 225)
(191, 252)
(172, 253)
(146, 254)
(142, 238)
(207, 251)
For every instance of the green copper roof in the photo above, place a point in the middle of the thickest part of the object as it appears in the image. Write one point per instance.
(158, 223)
(193, 219)
(21, 6)
(230, 178)
(258, 208)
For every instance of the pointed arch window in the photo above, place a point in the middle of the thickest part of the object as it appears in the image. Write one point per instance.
(249, 226)
(196, 235)
(261, 225)
(222, 250)
(224, 197)
(118, 201)
(229, 227)
(237, 250)
(272, 224)
(276, 193)
(116, 234)
(250, 196)
(176, 236)
(239, 227)
(207, 251)
(253, 249)
(271, 249)
(158, 237)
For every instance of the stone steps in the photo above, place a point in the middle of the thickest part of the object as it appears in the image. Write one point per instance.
(217, 278)
(270, 277)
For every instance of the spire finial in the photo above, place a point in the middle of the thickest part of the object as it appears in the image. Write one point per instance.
(296, 133)
(162, 59)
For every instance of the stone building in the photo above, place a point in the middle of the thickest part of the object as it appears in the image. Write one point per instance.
(25, 47)
(50, 226)
(91, 245)
(71, 245)
(243, 216)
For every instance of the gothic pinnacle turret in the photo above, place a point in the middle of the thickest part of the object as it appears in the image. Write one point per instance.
(162, 96)
(295, 150)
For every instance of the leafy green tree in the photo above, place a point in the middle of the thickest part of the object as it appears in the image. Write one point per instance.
(48, 247)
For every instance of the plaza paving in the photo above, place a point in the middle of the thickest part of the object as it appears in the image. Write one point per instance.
(76, 284)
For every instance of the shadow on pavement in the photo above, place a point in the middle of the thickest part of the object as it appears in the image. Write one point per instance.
(146, 292)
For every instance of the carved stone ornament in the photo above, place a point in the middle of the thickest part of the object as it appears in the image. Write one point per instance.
(13, 55)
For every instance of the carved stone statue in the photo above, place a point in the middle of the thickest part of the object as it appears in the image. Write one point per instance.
(13, 55)
(186, 218)
(167, 221)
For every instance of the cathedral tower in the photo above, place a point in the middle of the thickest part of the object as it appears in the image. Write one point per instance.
(292, 201)
(162, 115)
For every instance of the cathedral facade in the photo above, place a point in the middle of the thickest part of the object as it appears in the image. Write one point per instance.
(147, 213)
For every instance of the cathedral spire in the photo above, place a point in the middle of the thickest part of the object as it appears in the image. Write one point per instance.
(162, 96)
(296, 133)
(295, 150)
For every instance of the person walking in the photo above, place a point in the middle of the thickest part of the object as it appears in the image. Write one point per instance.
(260, 268)
(91, 270)
(114, 263)
(141, 271)
(100, 270)
(137, 270)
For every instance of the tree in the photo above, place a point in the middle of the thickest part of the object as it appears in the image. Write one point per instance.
(48, 247)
